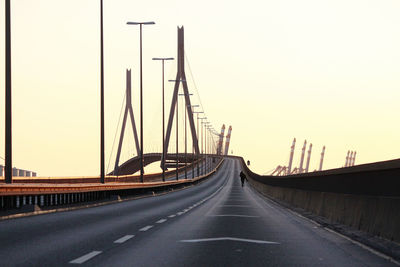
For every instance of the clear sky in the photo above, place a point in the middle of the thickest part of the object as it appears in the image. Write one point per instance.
(325, 71)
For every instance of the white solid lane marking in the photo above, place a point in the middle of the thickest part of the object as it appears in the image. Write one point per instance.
(233, 215)
(86, 257)
(161, 221)
(229, 239)
(146, 228)
(171, 216)
(123, 239)
(180, 213)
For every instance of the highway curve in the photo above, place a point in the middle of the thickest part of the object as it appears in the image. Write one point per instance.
(216, 223)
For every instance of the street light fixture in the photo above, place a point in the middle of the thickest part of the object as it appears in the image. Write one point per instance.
(141, 96)
(163, 115)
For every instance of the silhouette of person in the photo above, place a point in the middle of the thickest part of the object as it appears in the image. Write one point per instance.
(242, 177)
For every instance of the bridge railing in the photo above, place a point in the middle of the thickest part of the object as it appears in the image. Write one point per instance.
(41, 198)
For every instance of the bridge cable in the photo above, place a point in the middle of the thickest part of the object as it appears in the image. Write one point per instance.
(116, 131)
(194, 83)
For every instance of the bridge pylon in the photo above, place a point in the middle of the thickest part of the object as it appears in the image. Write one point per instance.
(228, 140)
(128, 109)
(221, 140)
(181, 77)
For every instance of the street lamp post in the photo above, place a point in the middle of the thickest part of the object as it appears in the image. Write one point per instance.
(141, 96)
(205, 147)
(8, 132)
(211, 146)
(177, 100)
(202, 141)
(185, 139)
(206, 123)
(192, 107)
(163, 116)
(198, 135)
(102, 167)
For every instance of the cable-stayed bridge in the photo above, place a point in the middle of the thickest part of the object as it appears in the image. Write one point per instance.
(197, 211)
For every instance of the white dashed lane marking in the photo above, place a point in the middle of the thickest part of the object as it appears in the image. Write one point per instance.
(144, 229)
(86, 257)
(123, 239)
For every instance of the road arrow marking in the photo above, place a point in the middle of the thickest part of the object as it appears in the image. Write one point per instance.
(229, 239)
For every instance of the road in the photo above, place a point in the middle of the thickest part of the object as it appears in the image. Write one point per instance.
(216, 223)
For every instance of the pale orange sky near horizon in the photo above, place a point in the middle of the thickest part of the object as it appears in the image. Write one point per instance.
(325, 71)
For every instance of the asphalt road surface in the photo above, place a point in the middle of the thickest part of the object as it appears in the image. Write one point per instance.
(216, 223)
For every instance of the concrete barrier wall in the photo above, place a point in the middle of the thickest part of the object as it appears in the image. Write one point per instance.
(378, 215)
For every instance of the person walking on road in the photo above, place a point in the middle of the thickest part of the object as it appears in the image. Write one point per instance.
(242, 177)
